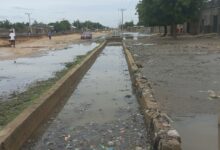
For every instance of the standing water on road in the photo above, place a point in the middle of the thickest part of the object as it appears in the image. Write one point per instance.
(16, 75)
(101, 114)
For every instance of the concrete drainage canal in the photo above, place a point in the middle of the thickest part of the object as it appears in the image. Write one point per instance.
(101, 114)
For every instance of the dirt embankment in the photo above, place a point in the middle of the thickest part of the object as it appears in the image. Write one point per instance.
(27, 47)
(184, 73)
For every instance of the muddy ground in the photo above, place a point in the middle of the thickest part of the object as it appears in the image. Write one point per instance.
(184, 73)
(185, 77)
(28, 47)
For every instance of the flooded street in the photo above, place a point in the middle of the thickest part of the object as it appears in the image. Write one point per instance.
(102, 113)
(16, 75)
(186, 82)
(110, 75)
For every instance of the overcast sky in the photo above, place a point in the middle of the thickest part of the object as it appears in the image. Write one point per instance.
(104, 11)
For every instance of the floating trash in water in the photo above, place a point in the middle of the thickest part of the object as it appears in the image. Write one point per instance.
(127, 96)
(138, 148)
(110, 143)
(213, 94)
(66, 138)
(151, 44)
(173, 133)
(69, 146)
(138, 44)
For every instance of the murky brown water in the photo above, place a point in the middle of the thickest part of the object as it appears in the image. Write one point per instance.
(17, 75)
(101, 114)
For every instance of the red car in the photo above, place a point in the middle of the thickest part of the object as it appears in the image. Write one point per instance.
(86, 35)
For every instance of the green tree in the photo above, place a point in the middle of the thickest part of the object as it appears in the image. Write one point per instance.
(168, 12)
(128, 24)
(65, 25)
(61, 26)
(20, 26)
(5, 24)
(88, 25)
(77, 24)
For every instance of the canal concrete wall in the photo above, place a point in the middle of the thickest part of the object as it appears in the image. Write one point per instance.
(161, 134)
(13, 136)
(114, 39)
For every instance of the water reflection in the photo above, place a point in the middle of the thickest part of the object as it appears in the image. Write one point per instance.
(16, 75)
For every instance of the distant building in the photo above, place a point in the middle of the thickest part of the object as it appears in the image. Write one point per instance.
(40, 29)
(210, 18)
(141, 29)
(4, 32)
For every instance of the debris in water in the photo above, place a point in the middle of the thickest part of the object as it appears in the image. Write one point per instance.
(110, 143)
(138, 148)
(139, 65)
(149, 44)
(173, 133)
(66, 138)
(114, 99)
(102, 146)
(213, 94)
(110, 131)
(130, 103)
(50, 143)
(69, 146)
(136, 55)
(138, 44)
(128, 96)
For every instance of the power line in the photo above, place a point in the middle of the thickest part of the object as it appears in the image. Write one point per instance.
(122, 18)
(29, 18)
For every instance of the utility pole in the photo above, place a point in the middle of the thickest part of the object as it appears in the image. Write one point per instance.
(122, 18)
(29, 18)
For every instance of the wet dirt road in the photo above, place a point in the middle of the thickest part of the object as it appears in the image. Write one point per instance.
(16, 75)
(185, 77)
(102, 113)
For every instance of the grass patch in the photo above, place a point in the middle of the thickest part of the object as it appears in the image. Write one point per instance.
(19, 101)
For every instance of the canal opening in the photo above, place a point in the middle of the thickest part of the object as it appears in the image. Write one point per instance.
(102, 113)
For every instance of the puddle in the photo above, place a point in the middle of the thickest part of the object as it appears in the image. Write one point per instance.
(198, 132)
(101, 114)
(16, 75)
(134, 35)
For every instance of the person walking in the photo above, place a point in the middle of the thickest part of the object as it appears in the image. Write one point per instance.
(50, 34)
(12, 38)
